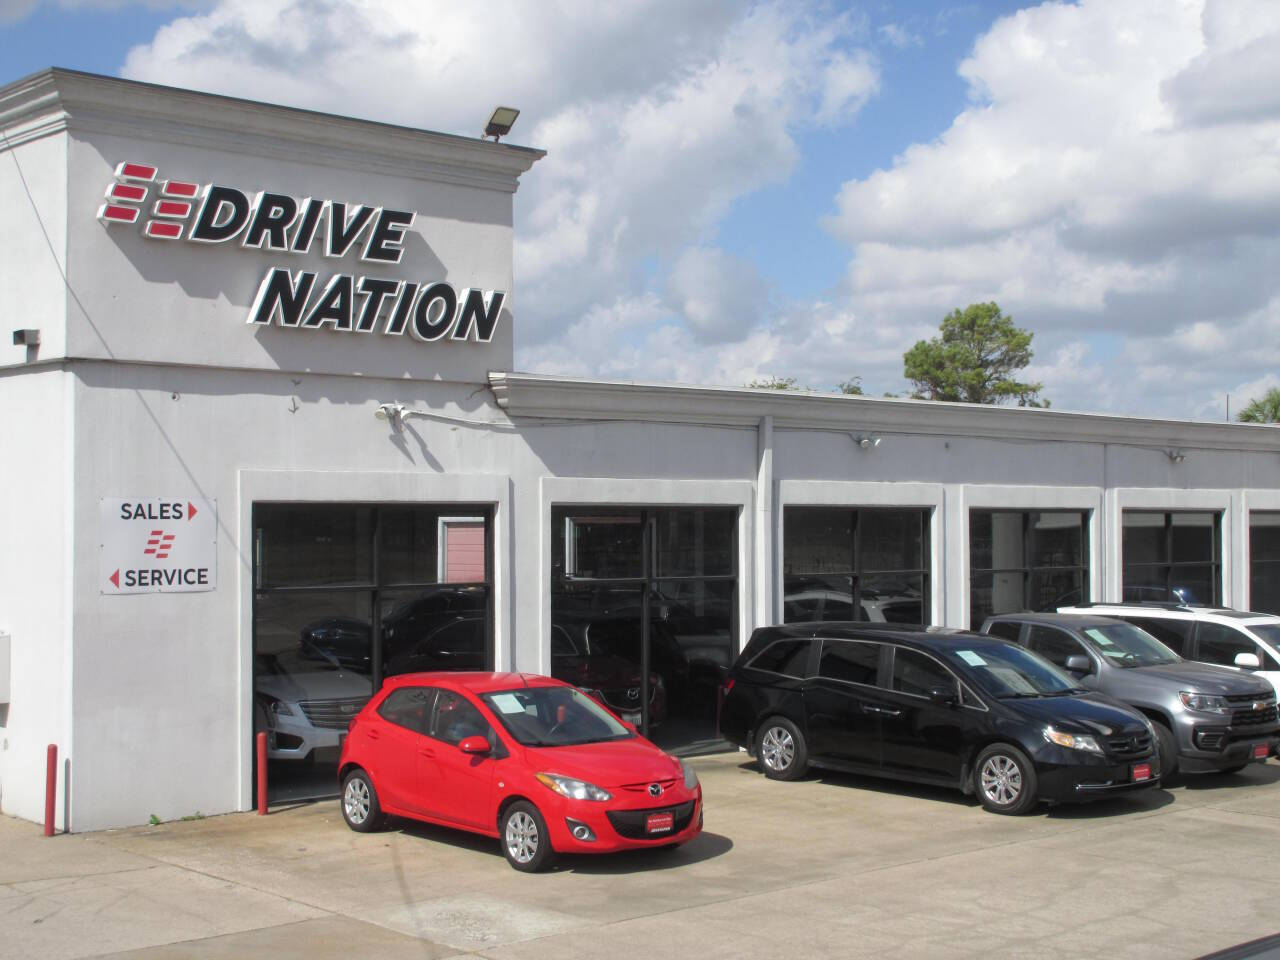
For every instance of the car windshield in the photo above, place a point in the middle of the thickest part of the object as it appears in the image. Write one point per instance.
(1268, 632)
(1125, 645)
(1006, 671)
(554, 717)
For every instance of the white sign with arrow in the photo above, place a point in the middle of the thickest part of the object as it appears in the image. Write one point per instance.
(158, 545)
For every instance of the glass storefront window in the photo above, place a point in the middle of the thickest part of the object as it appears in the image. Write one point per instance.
(618, 572)
(869, 564)
(1264, 561)
(1172, 556)
(1026, 560)
(347, 594)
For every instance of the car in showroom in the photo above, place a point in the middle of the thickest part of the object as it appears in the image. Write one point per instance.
(303, 702)
(1207, 718)
(931, 705)
(1229, 638)
(529, 760)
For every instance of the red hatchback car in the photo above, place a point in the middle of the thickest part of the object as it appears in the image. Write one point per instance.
(530, 760)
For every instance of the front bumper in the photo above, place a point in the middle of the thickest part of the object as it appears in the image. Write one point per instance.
(1070, 776)
(625, 830)
(1236, 749)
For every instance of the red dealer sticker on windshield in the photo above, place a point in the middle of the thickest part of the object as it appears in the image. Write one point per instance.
(659, 822)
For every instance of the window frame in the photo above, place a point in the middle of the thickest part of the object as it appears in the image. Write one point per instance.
(1028, 570)
(1169, 565)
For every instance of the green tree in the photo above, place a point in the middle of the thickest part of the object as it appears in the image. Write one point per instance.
(1263, 409)
(852, 388)
(776, 383)
(973, 360)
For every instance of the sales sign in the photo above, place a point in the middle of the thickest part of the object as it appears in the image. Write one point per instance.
(158, 545)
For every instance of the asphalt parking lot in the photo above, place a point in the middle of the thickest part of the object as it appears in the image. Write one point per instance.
(832, 866)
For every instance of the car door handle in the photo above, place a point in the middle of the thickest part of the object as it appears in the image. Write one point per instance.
(882, 710)
(426, 752)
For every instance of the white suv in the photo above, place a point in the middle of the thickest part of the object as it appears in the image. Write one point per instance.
(1230, 638)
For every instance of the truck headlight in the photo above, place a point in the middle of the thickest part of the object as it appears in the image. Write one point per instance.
(1072, 741)
(1205, 703)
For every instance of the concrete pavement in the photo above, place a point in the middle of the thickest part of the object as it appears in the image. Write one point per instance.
(833, 866)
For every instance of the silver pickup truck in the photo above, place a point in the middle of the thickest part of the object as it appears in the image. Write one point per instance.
(1206, 718)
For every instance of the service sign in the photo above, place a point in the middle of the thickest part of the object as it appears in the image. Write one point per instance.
(158, 545)
(363, 241)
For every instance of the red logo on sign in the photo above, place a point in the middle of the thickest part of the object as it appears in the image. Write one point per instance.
(159, 544)
(127, 194)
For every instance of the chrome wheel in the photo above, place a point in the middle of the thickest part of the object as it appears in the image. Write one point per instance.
(356, 801)
(1001, 779)
(521, 837)
(777, 748)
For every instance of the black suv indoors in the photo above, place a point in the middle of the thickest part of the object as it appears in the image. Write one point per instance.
(944, 707)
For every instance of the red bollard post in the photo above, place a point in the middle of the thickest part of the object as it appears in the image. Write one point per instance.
(50, 788)
(262, 774)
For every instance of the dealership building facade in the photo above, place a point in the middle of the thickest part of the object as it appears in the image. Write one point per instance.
(264, 447)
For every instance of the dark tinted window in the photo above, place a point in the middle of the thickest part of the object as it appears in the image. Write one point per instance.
(1174, 634)
(1005, 629)
(457, 718)
(853, 660)
(409, 707)
(1218, 644)
(787, 657)
(918, 673)
(1053, 644)
(1171, 556)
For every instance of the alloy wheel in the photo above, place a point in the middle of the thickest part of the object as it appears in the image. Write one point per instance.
(1001, 780)
(777, 748)
(522, 837)
(355, 800)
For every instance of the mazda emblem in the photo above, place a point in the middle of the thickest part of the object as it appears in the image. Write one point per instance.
(633, 693)
(655, 789)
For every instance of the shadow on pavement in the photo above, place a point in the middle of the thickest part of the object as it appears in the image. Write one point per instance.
(705, 846)
(1252, 775)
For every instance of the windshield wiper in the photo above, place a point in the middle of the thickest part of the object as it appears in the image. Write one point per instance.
(1017, 696)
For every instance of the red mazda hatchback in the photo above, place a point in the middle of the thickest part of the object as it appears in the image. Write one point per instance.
(530, 760)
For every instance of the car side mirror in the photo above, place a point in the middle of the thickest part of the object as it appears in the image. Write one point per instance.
(946, 696)
(1249, 661)
(1079, 663)
(477, 746)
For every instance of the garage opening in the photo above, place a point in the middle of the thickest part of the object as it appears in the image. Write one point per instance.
(345, 595)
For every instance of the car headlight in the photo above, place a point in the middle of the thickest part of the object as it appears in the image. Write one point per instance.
(1072, 741)
(573, 789)
(274, 707)
(690, 778)
(1205, 703)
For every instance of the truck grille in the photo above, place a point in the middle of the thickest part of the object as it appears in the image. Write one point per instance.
(1249, 718)
(332, 714)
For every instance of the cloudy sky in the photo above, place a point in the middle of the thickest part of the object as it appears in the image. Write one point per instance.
(799, 189)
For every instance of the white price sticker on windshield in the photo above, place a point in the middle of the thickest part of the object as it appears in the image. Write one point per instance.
(971, 658)
(1102, 639)
(507, 703)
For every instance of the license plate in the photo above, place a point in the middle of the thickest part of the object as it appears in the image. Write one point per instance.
(1141, 771)
(1260, 751)
(659, 822)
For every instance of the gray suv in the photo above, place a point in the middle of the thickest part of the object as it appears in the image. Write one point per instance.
(1206, 718)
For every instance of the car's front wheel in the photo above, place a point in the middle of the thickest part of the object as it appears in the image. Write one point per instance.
(1167, 746)
(1005, 779)
(525, 841)
(781, 749)
(360, 806)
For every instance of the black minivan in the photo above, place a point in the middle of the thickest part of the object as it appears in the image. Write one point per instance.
(933, 706)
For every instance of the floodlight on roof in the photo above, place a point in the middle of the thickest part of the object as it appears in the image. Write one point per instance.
(501, 122)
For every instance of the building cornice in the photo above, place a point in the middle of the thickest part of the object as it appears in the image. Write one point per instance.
(55, 100)
(536, 395)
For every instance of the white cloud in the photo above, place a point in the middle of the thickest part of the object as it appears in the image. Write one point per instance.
(722, 297)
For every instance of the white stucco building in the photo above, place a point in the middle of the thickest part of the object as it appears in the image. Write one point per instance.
(269, 448)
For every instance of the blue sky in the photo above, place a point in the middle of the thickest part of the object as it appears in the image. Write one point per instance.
(790, 188)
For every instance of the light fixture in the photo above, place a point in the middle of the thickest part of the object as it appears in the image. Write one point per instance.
(391, 411)
(1175, 456)
(26, 338)
(865, 440)
(501, 122)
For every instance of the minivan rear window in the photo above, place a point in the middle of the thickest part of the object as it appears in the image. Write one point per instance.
(787, 657)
